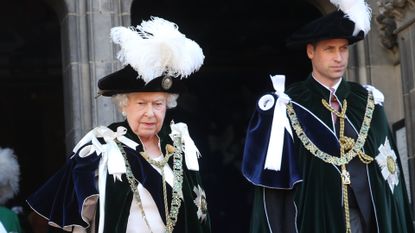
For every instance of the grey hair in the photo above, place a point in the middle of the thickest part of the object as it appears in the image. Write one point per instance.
(9, 175)
(121, 100)
(172, 100)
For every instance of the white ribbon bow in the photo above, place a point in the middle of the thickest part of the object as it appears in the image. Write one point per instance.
(280, 122)
(110, 152)
(116, 162)
(378, 96)
(191, 153)
(111, 158)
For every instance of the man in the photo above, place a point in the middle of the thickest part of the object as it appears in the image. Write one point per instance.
(321, 155)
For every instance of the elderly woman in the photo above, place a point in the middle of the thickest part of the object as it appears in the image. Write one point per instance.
(142, 174)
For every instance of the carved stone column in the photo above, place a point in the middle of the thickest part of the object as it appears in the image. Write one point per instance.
(87, 55)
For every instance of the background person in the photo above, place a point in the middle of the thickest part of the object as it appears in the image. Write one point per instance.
(9, 187)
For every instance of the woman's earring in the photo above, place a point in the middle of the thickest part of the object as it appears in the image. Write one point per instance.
(123, 113)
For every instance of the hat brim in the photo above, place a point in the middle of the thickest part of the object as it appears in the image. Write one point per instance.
(127, 80)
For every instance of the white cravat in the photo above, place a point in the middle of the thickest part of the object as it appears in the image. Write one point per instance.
(136, 223)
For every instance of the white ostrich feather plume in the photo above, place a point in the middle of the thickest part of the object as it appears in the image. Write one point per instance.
(9, 175)
(357, 11)
(155, 48)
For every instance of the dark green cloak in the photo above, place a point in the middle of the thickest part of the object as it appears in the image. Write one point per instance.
(119, 194)
(314, 203)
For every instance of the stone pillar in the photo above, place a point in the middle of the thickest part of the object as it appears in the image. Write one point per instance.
(406, 41)
(87, 55)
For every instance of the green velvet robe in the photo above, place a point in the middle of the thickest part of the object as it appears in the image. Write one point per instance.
(61, 199)
(119, 195)
(315, 204)
(9, 220)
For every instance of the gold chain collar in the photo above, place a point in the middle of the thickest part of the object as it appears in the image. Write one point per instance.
(176, 151)
(346, 144)
(356, 149)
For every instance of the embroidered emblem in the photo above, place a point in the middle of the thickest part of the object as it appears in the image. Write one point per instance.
(201, 203)
(266, 102)
(386, 160)
(166, 83)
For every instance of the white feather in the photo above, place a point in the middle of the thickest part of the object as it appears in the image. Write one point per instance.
(9, 175)
(155, 48)
(357, 11)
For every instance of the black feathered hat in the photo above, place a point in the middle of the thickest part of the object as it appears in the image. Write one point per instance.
(156, 57)
(351, 21)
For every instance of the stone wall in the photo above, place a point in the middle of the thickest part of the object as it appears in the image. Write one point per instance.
(395, 21)
(88, 55)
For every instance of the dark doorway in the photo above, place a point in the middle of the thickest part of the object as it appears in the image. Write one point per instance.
(244, 42)
(31, 96)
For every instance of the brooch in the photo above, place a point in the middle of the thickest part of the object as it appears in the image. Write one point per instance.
(166, 82)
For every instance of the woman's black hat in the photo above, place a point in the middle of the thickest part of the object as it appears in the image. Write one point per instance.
(156, 57)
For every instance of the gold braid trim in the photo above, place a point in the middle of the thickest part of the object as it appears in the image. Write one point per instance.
(355, 150)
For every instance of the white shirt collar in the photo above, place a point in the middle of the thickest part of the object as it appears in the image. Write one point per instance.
(335, 86)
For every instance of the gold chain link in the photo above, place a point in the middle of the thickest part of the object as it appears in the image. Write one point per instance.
(160, 165)
(356, 148)
(346, 144)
